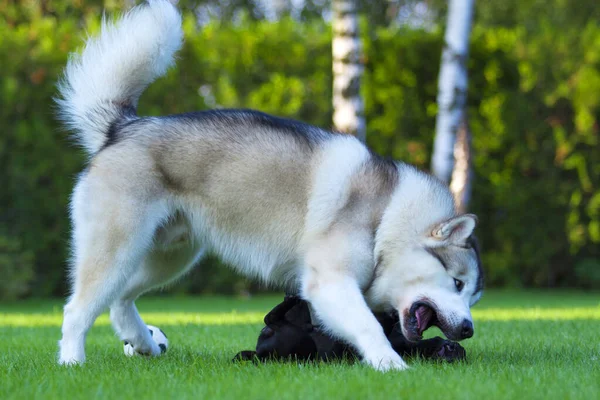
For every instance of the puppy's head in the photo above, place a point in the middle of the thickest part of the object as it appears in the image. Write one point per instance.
(287, 333)
(432, 279)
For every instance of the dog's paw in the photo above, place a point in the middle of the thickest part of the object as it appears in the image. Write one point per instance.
(450, 351)
(388, 362)
(150, 349)
(70, 354)
(246, 355)
(69, 361)
(154, 344)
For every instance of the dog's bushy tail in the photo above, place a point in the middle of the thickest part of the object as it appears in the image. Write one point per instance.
(102, 85)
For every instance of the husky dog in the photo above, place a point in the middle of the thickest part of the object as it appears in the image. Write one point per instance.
(310, 211)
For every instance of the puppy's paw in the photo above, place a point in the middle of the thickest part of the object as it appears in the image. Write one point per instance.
(450, 352)
(246, 355)
(386, 362)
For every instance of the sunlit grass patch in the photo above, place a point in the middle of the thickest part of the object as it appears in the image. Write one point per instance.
(153, 318)
(241, 318)
(536, 314)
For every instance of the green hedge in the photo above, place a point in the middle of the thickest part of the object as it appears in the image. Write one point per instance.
(534, 104)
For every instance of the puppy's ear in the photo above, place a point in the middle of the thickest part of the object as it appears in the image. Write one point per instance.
(454, 231)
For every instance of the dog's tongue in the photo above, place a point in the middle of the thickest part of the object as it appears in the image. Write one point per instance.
(423, 314)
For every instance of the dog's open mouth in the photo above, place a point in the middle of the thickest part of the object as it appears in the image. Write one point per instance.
(424, 315)
(421, 317)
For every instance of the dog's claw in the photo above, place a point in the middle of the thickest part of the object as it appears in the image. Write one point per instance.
(391, 362)
(391, 365)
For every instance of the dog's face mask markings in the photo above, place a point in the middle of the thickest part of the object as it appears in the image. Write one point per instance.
(445, 282)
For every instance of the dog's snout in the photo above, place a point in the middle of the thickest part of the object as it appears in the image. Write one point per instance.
(466, 330)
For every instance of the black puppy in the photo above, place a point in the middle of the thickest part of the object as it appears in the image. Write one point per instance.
(289, 334)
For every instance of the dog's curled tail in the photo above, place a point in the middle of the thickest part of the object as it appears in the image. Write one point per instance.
(102, 85)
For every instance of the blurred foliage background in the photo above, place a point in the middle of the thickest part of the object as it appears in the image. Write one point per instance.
(534, 109)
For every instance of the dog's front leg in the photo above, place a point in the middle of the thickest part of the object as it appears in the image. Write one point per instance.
(341, 307)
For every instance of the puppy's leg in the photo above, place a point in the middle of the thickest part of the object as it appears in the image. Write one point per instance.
(340, 305)
(159, 268)
(111, 235)
(435, 348)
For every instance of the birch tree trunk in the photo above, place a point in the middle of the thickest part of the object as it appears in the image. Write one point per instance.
(460, 186)
(452, 86)
(348, 109)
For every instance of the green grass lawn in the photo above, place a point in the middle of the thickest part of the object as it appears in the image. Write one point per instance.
(527, 345)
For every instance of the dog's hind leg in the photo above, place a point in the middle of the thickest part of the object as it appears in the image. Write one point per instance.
(161, 266)
(112, 232)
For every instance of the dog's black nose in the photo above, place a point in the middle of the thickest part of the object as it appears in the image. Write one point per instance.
(466, 330)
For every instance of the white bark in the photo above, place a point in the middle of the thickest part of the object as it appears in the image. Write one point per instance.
(452, 86)
(460, 186)
(348, 108)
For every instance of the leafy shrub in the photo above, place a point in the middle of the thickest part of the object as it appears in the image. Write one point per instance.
(16, 266)
(534, 103)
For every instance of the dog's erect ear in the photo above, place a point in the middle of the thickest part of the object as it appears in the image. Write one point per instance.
(453, 231)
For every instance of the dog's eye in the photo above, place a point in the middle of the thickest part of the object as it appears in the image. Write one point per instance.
(459, 285)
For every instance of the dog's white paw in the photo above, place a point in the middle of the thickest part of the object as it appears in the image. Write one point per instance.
(156, 345)
(69, 361)
(70, 354)
(388, 362)
(149, 349)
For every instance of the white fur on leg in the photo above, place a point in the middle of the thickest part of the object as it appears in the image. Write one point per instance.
(339, 304)
(130, 327)
(101, 263)
(170, 259)
(81, 312)
(72, 344)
